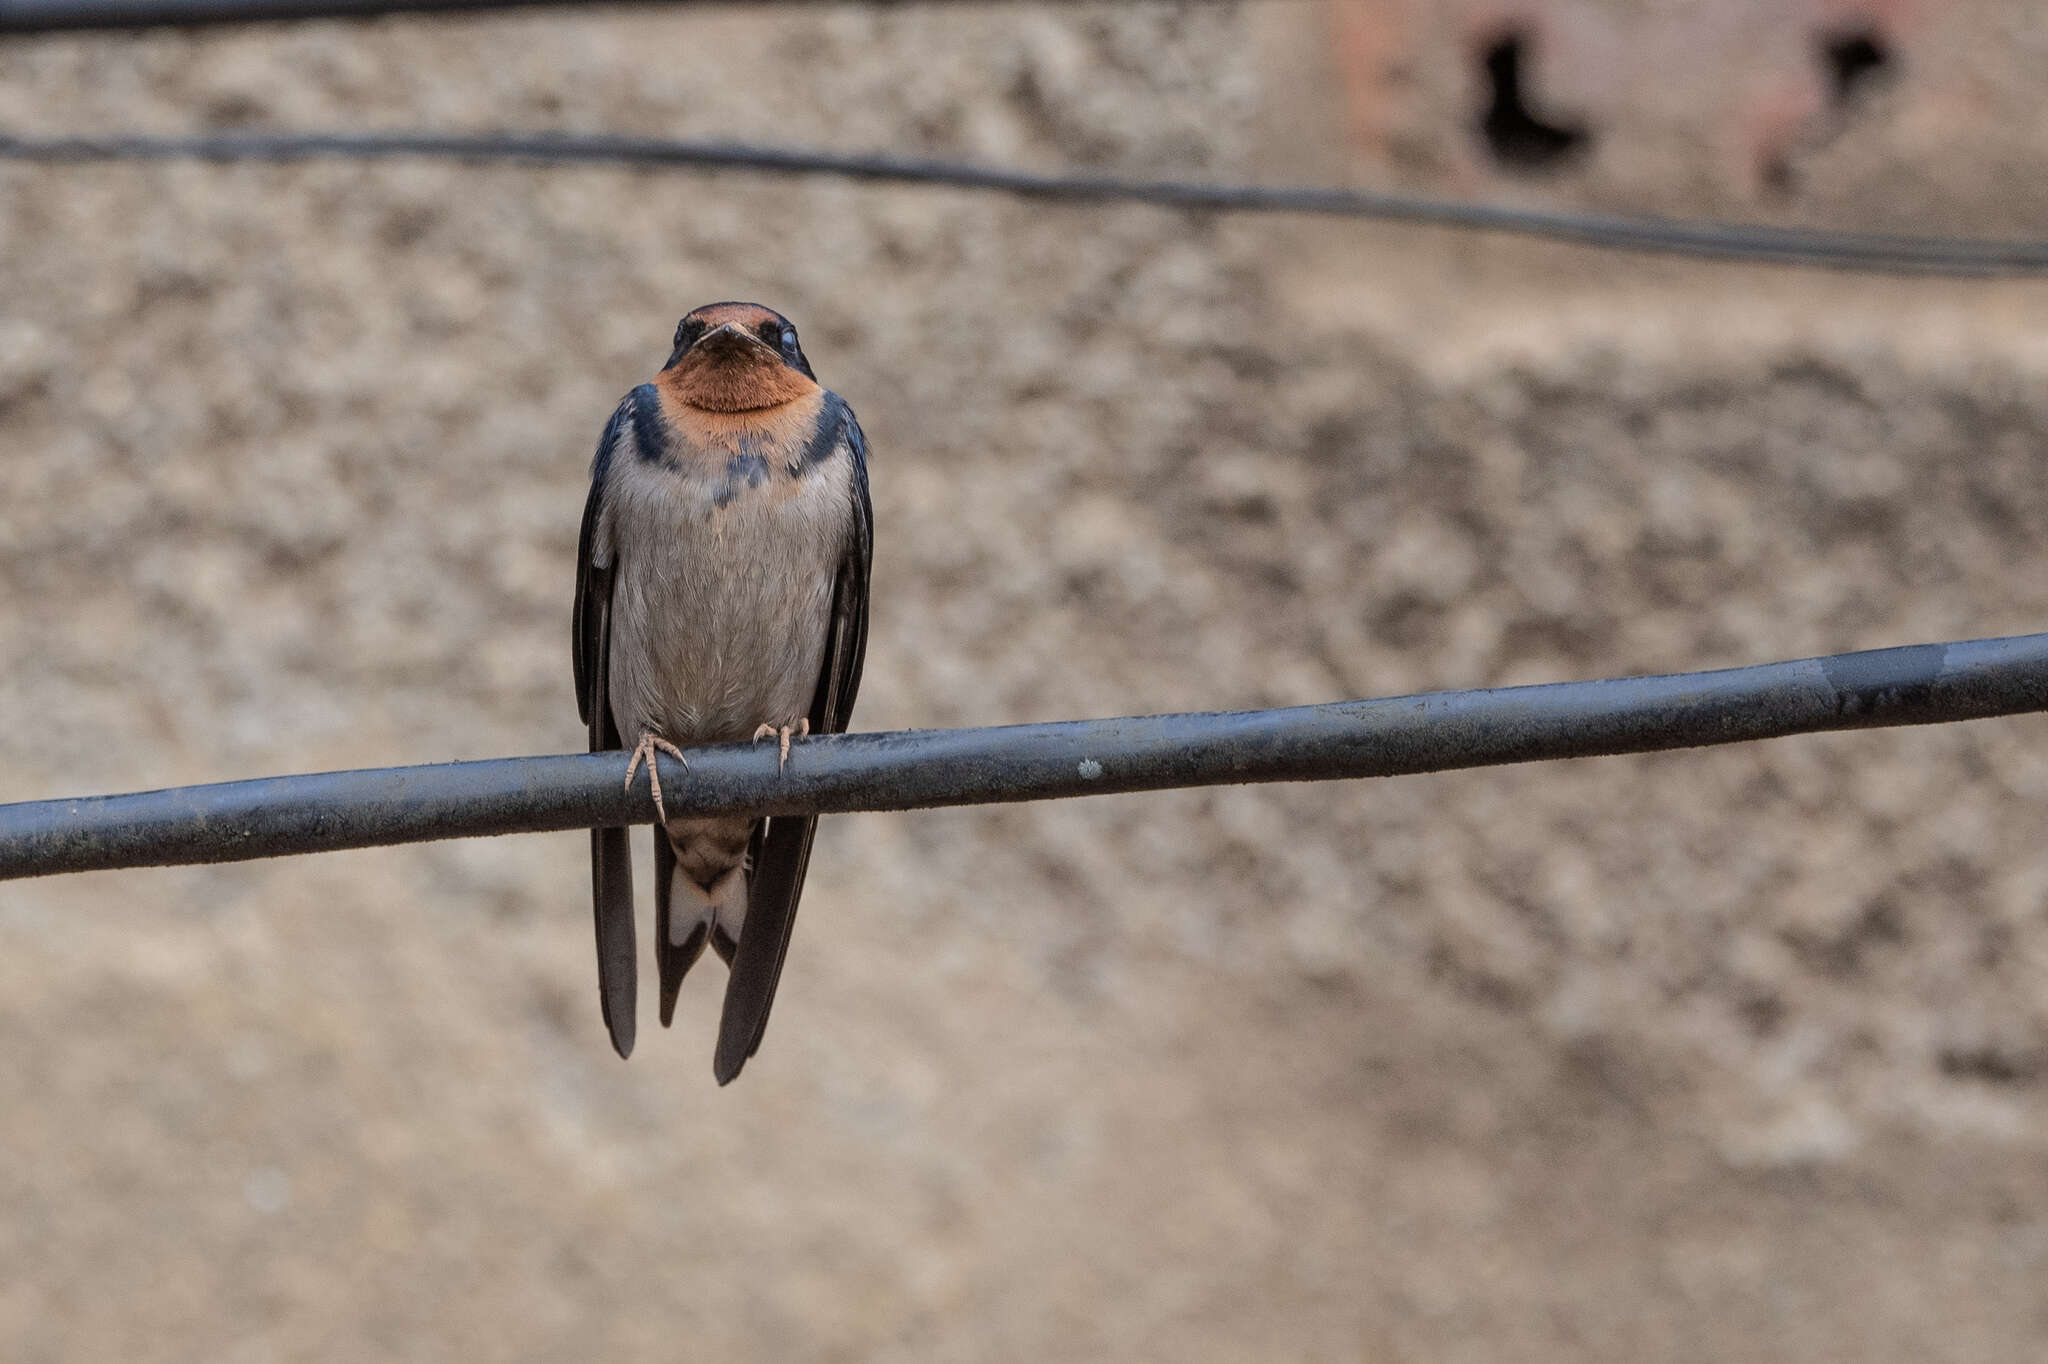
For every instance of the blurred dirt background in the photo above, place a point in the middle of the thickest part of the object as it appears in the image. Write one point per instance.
(1729, 1055)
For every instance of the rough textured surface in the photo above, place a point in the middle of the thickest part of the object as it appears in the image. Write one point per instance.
(1741, 1054)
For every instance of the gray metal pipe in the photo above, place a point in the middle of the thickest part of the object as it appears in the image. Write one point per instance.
(916, 769)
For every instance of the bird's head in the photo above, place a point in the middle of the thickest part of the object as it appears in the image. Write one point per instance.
(737, 357)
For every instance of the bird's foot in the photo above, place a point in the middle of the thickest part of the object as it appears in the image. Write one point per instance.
(644, 752)
(801, 729)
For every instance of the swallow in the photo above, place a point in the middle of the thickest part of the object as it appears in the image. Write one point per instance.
(721, 596)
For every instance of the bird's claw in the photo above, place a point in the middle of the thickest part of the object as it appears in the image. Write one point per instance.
(644, 752)
(801, 729)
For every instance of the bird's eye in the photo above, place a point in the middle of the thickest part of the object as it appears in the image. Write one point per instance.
(687, 333)
(789, 349)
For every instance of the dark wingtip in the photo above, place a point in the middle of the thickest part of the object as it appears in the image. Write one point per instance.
(612, 897)
(735, 1045)
(620, 1027)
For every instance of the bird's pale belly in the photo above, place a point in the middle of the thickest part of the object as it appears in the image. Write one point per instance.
(721, 613)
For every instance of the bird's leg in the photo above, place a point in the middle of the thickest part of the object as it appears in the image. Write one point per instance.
(801, 729)
(644, 752)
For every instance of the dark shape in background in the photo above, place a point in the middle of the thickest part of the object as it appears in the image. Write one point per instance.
(1518, 137)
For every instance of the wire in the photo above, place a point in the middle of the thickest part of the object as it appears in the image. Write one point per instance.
(917, 769)
(1726, 241)
(51, 16)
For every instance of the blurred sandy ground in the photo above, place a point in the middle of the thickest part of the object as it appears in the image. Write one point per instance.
(1732, 1055)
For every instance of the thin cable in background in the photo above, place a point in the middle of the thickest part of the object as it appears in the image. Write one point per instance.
(1903, 255)
(76, 16)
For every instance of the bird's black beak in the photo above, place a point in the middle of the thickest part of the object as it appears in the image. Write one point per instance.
(723, 344)
(733, 339)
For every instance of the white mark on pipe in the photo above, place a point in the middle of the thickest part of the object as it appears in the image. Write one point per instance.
(1089, 769)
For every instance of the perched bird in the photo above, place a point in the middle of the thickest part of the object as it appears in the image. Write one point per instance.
(721, 595)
